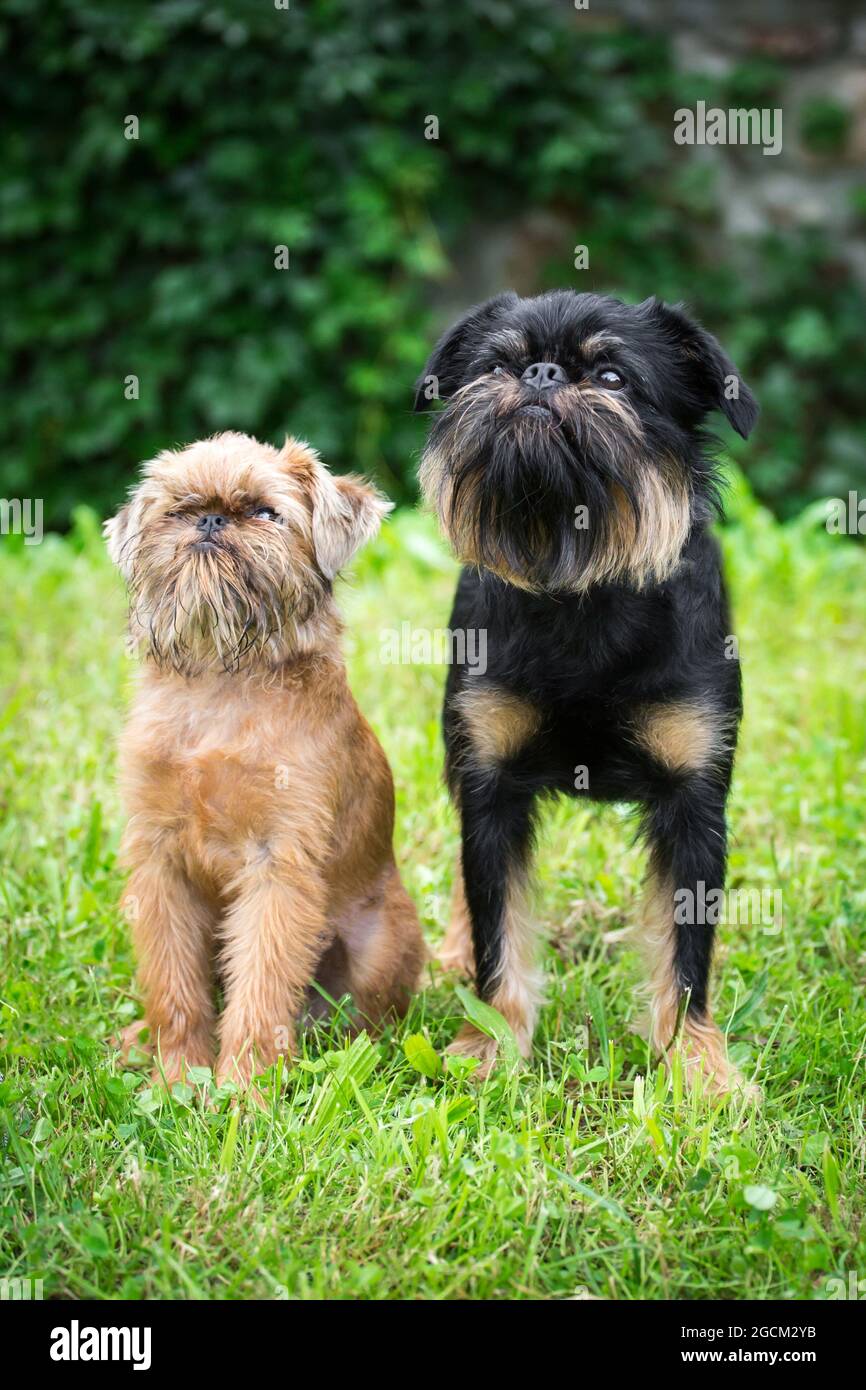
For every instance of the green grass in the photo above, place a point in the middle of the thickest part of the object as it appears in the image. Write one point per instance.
(582, 1170)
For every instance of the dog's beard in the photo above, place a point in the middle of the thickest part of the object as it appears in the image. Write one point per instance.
(229, 606)
(559, 500)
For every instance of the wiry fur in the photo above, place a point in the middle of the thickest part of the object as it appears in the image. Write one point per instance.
(606, 642)
(260, 803)
(253, 597)
(506, 489)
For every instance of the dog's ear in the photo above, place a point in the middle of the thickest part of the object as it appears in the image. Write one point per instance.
(347, 513)
(120, 532)
(442, 374)
(712, 377)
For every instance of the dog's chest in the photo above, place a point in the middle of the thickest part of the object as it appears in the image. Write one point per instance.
(218, 772)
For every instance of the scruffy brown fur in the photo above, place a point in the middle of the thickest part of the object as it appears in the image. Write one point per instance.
(261, 805)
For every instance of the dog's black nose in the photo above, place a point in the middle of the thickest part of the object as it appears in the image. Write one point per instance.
(210, 523)
(541, 375)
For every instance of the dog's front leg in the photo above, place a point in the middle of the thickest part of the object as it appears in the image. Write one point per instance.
(496, 848)
(274, 934)
(687, 835)
(172, 931)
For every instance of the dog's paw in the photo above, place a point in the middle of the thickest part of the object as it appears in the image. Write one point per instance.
(244, 1066)
(471, 1042)
(718, 1078)
(729, 1081)
(133, 1047)
(171, 1064)
(243, 1072)
(168, 1069)
(701, 1048)
(457, 956)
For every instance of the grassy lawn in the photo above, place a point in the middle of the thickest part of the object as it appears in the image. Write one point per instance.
(584, 1170)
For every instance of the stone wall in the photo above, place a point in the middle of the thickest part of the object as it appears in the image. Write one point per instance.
(814, 181)
(821, 49)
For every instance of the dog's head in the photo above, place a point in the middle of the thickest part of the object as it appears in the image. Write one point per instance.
(570, 449)
(229, 548)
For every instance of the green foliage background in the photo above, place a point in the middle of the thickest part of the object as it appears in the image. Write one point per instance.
(304, 127)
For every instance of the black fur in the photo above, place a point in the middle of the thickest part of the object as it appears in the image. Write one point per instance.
(587, 657)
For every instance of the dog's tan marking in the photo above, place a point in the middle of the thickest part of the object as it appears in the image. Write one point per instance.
(503, 394)
(509, 340)
(664, 506)
(498, 722)
(701, 1041)
(607, 403)
(456, 951)
(644, 543)
(598, 342)
(684, 736)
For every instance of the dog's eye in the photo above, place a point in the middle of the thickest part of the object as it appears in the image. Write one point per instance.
(611, 379)
(499, 371)
(265, 514)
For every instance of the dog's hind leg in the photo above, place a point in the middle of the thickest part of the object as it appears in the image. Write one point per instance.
(330, 984)
(386, 953)
(497, 822)
(687, 838)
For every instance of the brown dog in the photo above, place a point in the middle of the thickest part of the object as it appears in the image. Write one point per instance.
(261, 805)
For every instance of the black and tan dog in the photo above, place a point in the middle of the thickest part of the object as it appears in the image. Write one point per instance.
(571, 474)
